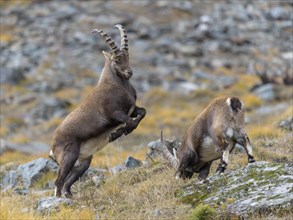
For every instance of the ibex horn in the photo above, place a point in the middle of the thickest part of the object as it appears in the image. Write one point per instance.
(114, 49)
(124, 41)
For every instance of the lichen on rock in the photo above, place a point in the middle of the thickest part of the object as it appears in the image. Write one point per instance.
(258, 187)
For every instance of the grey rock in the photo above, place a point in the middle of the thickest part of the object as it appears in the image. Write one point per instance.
(3, 146)
(98, 180)
(222, 81)
(265, 92)
(271, 109)
(184, 88)
(10, 179)
(26, 174)
(50, 107)
(155, 147)
(27, 148)
(11, 76)
(157, 213)
(33, 170)
(278, 13)
(258, 186)
(131, 162)
(52, 204)
(118, 168)
(21, 191)
(93, 173)
(287, 124)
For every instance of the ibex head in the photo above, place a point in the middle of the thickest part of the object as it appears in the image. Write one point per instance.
(118, 58)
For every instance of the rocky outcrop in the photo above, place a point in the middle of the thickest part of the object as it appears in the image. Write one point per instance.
(50, 58)
(259, 187)
(26, 174)
(155, 147)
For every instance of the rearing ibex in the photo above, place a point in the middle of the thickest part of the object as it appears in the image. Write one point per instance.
(213, 135)
(106, 114)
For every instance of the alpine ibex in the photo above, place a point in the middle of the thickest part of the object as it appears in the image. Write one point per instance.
(107, 113)
(213, 135)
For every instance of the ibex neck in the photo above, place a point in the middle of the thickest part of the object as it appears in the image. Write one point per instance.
(108, 76)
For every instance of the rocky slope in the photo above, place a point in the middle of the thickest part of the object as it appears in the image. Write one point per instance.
(183, 54)
(50, 60)
(260, 188)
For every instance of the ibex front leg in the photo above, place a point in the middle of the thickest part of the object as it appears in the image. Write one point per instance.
(244, 141)
(138, 114)
(130, 125)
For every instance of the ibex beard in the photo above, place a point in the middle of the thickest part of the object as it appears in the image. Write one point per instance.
(212, 135)
(107, 113)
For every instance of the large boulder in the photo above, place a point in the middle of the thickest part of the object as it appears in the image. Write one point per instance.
(258, 187)
(26, 174)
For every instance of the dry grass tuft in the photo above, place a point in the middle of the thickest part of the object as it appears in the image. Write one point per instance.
(251, 101)
(112, 155)
(17, 157)
(138, 193)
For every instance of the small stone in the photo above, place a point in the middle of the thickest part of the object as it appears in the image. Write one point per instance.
(265, 92)
(131, 162)
(51, 204)
(98, 180)
(118, 168)
(287, 124)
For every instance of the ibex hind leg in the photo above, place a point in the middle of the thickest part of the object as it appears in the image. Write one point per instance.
(204, 171)
(245, 142)
(75, 174)
(66, 164)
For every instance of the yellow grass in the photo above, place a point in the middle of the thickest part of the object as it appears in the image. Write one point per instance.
(3, 131)
(251, 101)
(17, 157)
(112, 155)
(19, 139)
(263, 132)
(14, 207)
(67, 93)
(6, 38)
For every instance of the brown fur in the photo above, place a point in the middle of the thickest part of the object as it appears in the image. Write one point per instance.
(107, 113)
(211, 129)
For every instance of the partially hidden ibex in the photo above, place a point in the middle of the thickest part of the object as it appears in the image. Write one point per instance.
(213, 135)
(107, 113)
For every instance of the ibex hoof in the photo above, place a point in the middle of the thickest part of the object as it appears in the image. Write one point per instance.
(67, 195)
(113, 137)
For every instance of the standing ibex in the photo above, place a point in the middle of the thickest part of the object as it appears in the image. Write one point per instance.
(211, 136)
(106, 114)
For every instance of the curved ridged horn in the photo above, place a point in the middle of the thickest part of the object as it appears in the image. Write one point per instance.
(114, 49)
(124, 41)
(172, 159)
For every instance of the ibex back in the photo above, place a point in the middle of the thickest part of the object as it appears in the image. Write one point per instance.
(212, 135)
(107, 113)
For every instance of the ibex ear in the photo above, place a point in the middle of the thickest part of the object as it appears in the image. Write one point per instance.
(107, 55)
